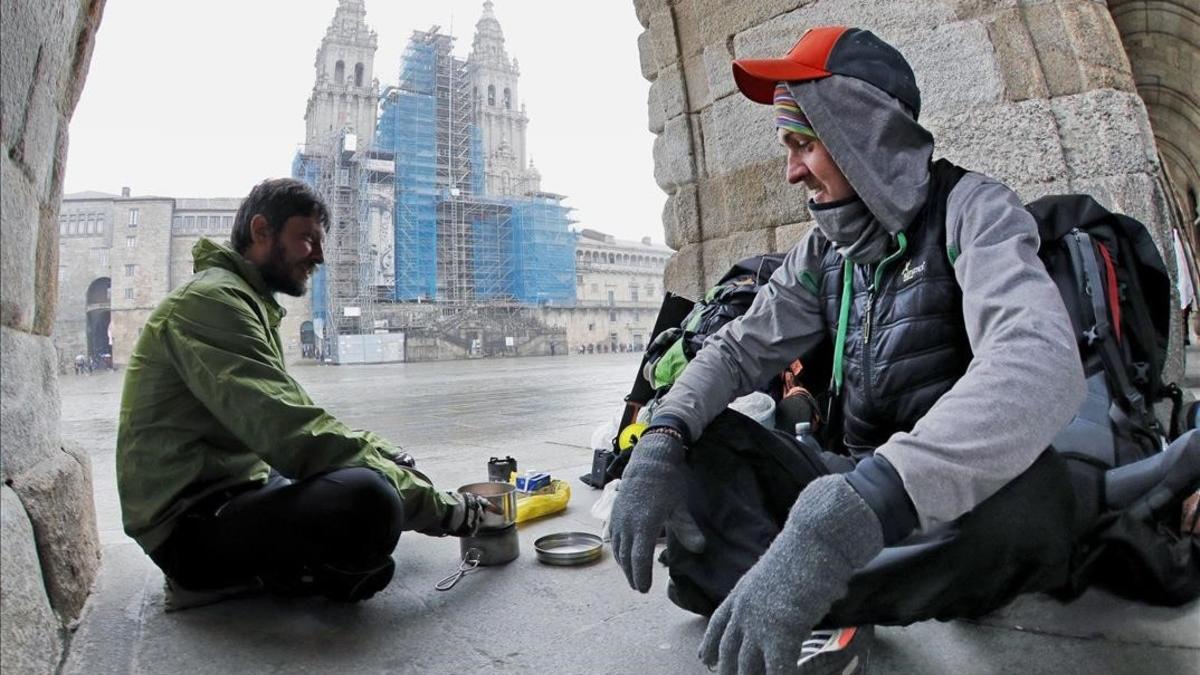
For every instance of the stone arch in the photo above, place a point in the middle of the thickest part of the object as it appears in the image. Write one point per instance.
(98, 315)
(491, 94)
(507, 98)
(358, 74)
(339, 71)
(1162, 41)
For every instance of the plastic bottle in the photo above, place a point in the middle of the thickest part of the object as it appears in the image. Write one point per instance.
(804, 437)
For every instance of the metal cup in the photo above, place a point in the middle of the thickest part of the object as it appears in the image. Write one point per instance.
(503, 496)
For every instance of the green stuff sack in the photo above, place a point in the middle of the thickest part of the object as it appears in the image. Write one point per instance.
(671, 351)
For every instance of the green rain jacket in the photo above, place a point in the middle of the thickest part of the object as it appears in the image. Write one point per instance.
(208, 406)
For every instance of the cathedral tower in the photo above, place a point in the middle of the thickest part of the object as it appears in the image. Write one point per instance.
(345, 94)
(498, 110)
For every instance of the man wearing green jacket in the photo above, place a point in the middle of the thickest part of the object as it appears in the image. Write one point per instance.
(230, 477)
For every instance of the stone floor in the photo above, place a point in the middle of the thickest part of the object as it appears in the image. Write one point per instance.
(525, 616)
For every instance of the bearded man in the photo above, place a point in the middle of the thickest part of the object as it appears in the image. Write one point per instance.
(230, 477)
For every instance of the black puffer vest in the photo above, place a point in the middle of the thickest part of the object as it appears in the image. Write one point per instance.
(905, 344)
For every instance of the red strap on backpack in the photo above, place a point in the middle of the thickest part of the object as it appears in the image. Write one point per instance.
(1114, 305)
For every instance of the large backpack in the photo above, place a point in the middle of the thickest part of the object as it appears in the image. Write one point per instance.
(670, 351)
(679, 332)
(1118, 295)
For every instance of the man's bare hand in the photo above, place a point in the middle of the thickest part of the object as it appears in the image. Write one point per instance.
(1190, 522)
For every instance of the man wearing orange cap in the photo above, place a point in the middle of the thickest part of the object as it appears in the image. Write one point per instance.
(953, 367)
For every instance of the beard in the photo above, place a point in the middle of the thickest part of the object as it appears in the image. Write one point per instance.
(281, 276)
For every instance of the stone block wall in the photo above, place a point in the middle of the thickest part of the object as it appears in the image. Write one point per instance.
(49, 549)
(141, 273)
(1037, 93)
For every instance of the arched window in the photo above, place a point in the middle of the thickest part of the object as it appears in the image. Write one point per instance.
(99, 291)
(358, 74)
(339, 72)
(491, 94)
(507, 98)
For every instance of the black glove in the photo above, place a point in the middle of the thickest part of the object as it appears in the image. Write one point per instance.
(829, 534)
(402, 459)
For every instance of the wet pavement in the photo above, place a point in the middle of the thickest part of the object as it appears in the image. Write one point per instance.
(522, 617)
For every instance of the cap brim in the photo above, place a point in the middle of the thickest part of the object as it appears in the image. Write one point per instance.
(756, 78)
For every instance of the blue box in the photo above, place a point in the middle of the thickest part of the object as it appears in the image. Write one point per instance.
(532, 481)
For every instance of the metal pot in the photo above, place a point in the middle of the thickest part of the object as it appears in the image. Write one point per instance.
(494, 547)
(503, 496)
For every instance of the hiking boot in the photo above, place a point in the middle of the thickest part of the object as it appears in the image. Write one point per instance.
(177, 597)
(840, 651)
(353, 586)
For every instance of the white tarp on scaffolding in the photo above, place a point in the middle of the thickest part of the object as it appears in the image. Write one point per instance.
(379, 348)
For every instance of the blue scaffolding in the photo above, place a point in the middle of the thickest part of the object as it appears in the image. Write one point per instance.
(306, 168)
(453, 242)
(544, 272)
(406, 128)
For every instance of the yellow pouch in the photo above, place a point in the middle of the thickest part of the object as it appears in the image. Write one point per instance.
(543, 502)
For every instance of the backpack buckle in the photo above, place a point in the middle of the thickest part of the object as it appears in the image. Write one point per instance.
(1141, 372)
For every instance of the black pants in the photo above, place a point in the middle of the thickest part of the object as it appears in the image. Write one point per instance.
(335, 528)
(743, 479)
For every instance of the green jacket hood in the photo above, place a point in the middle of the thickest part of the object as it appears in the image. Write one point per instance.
(207, 254)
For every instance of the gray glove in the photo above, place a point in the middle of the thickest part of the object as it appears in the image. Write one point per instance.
(652, 489)
(463, 519)
(830, 533)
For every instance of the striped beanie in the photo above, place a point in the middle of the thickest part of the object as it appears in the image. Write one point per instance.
(787, 113)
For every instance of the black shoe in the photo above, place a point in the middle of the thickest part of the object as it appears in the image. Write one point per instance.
(344, 585)
(686, 596)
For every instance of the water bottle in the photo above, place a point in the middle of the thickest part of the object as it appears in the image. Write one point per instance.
(805, 438)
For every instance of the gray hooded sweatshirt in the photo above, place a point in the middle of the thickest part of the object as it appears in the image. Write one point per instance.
(1024, 382)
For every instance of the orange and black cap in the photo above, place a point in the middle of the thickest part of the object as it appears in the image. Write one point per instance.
(832, 50)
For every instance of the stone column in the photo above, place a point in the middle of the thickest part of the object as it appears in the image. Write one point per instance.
(1036, 93)
(49, 545)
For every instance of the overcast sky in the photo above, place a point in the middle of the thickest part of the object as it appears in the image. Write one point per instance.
(204, 99)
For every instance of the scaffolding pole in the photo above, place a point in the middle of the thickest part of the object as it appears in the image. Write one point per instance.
(348, 278)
